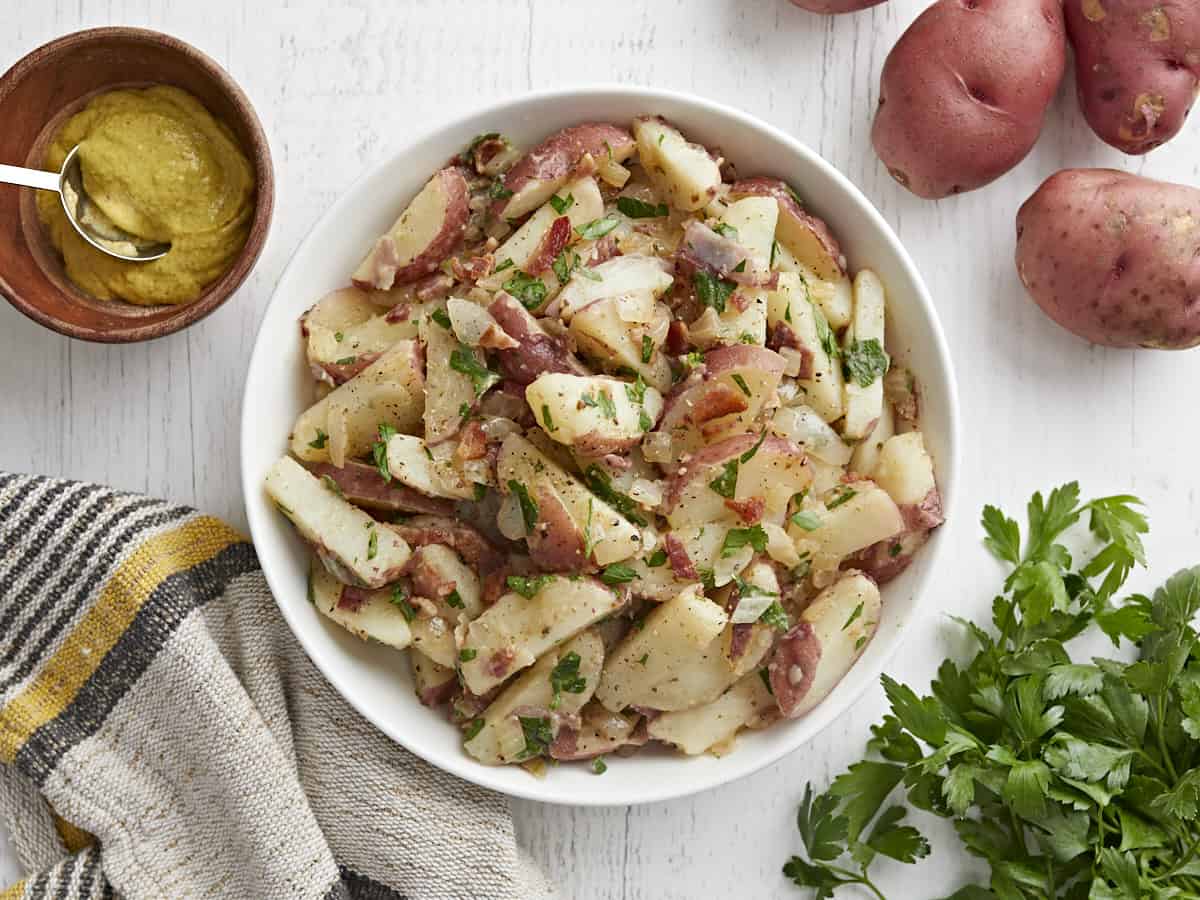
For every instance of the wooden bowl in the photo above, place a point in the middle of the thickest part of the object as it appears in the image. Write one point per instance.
(36, 96)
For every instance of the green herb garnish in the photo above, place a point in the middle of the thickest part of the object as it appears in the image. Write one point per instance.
(565, 677)
(640, 209)
(597, 228)
(529, 509)
(463, 360)
(737, 538)
(528, 585)
(529, 290)
(865, 361)
(618, 573)
(712, 291)
(538, 736)
(319, 442)
(562, 204)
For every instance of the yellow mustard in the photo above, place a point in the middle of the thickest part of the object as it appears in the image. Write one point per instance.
(159, 166)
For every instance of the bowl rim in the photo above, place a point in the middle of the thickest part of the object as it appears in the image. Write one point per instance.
(462, 765)
(259, 152)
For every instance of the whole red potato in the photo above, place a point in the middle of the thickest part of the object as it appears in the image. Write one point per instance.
(1114, 258)
(1137, 64)
(834, 7)
(965, 90)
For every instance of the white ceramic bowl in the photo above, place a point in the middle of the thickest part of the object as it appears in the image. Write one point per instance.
(374, 679)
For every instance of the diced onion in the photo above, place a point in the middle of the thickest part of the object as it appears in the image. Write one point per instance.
(612, 172)
(751, 607)
(656, 447)
(497, 428)
(635, 307)
(706, 330)
(793, 360)
(509, 520)
(648, 493)
(779, 546)
(724, 568)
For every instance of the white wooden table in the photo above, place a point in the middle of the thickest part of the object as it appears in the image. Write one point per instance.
(336, 84)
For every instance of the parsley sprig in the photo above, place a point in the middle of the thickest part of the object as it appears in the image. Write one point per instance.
(1069, 778)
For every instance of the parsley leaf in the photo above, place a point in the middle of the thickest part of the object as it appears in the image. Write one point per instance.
(618, 573)
(529, 290)
(865, 361)
(737, 538)
(725, 484)
(464, 360)
(319, 442)
(441, 317)
(647, 348)
(379, 450)
(538, 736)
(597, 228)
(529, 509)
(640, 209)
(600, 483)
(562, 204)
(528, 585)
(565, 677)
(711, 290)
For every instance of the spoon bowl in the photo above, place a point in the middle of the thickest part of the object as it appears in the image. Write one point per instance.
(84, 215)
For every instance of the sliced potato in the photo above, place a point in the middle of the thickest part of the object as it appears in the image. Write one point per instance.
(449, 393)
(864, 404)
(905, 469)
(434, 683)
(866, 452)
(754, 220)
(516, 630)
(804, 426)
(744, 321)
(653, 666)
(854, 517)
(391, 391)
(682, 170)
(621, 275)
(501, 738)
(352, 545)
(440, 575)
(612, 537)
(368, 614)
(705, 727)
(434, 636)
(431, 471)
(789, 304)
(626, 334)
(594, 414)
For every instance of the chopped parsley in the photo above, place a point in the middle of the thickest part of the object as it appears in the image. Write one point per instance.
(657, 558)
(538, 736)
(479, 139)
(636, 392)
(528, 289)
(565, 677)
(529, 510)
(644, 421)
(597, 228)
(480, 491)
(894, 550)
(346, 361)
(332, 485)
(338, 336)
(737, 538)
(647, 348)
(497, 190)
(618, 573)
(319, 442)
(847, 493)
(473, 728)
(373, 543)
(454, 599)
(463, 360)
(564, 264)
(749, 454)
(507, 264)
(712, 291)
(806, 520)
(562, 204)
(825, 334)
(379, 450)
(548, 420)
(725, 484)
(528, 585)
(741, 383)
(865, 361)
(600, 483)
(775, 616)
(750, 589)
(441, 317)
(640, 209)
(724, 229)
(853, 616)
(400, 598)
(774, 250)
(466, 654)
(599, 766)
(607, 408)
(645, 657)
(588, 542)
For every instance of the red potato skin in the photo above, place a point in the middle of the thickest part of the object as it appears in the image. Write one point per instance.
(835, 7)
(1114, 258)
(557, 157)
(388, 270)
(1137, 67)
(791, 209)
(965, 90)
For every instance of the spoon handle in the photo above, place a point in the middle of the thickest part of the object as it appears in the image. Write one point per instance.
(34, 178)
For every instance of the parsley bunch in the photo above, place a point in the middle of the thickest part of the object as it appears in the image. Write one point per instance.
(1069, 778)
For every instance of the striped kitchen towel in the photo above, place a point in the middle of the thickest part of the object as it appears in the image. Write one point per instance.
(162, 734)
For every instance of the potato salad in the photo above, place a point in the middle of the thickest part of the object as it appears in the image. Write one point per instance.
(608, 439)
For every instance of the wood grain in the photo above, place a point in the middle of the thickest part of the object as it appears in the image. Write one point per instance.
(335, 85)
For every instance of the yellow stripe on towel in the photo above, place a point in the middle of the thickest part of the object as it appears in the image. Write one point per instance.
(122, 597)
(14, 891)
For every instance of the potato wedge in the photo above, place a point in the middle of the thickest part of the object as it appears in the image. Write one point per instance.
(449, 393)
(391, 391)
(905, 471)
(854, 516)
(352, 545)
(864, 401)
(429, 470)
(866, 452)
(625, 334)
(583, 518)
(427, 232)
(706, 727)
(616, 277)
(819, 650)
(685, 172)
(435, 684)
(501, 739)
(512, 633)
(754, 221)
(594, 414)
(788, 305)
(369, 614)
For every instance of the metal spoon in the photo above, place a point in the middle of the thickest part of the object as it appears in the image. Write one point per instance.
(85, 217)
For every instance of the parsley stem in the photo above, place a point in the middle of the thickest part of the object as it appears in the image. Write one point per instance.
(1159, 718)
(1181, 862)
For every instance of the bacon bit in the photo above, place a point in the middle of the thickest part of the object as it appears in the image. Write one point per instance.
(427, 580)
(739, 639)
(719, 400)
(401, 312)
(495, 586)
(340, 373)
(475, 268)
(750, 510)
(564, 746)
(500, 661)
(434, 287)
(460, 537)
(739, 301)
(472, 442)
(678, 341)
(552, 244)
(605, 249)
(677, 556)
(352, 598)
(496, 338)
(597, 444)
